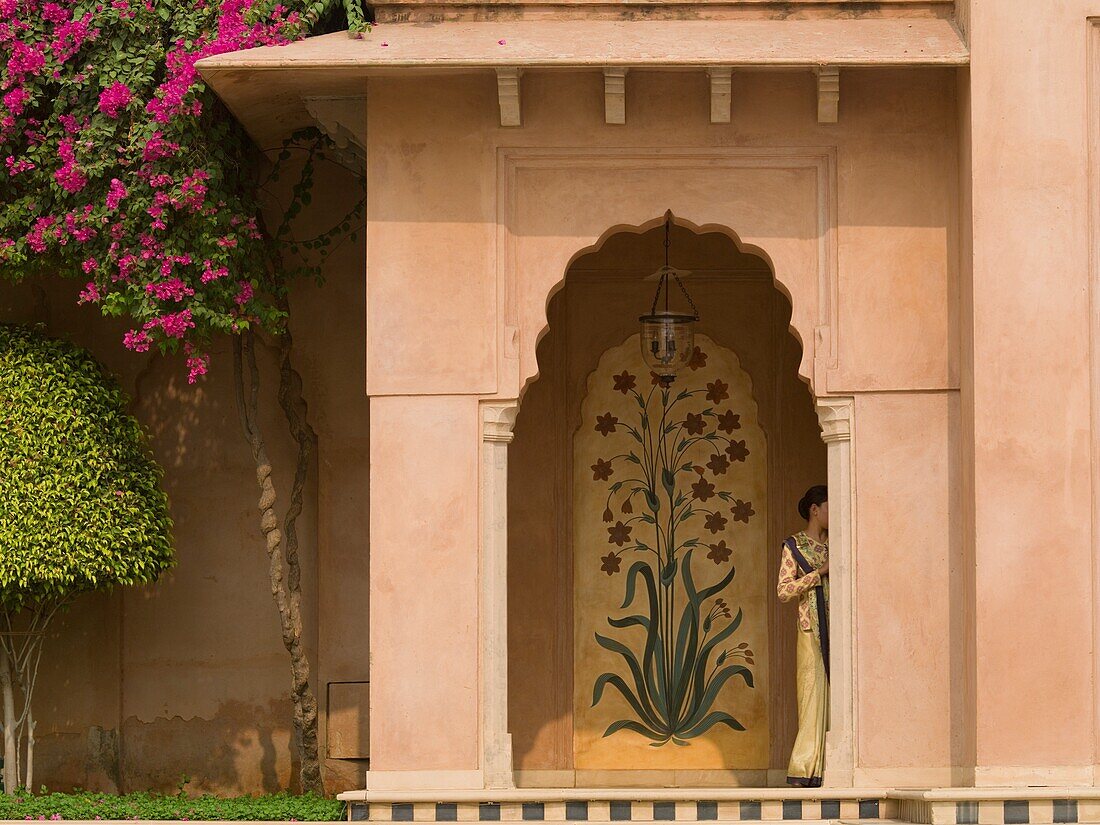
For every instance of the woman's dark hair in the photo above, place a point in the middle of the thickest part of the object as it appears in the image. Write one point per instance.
(818, 494)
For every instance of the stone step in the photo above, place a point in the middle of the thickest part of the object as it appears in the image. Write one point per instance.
(626, 810)
(938, 806)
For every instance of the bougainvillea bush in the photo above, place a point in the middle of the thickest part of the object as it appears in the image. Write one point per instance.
(118, 166)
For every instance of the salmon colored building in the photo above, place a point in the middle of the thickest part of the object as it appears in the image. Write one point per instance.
(885, 213)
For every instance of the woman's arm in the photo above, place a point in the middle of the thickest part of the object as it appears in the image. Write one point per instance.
(791, 586)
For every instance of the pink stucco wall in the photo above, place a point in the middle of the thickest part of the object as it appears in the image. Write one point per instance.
(436, 159)
(1029, 388)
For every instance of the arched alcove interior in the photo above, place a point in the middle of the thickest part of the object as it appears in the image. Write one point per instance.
(595, 310)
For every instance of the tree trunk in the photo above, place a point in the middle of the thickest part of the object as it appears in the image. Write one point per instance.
(11, 775)
(289, 607)
(30, 751)
(294, 407)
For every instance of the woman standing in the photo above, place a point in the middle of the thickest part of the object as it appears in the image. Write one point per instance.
(803, 575)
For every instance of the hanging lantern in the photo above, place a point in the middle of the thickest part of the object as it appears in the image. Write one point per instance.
(668, 337)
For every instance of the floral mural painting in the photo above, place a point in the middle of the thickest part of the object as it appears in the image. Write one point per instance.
(670, 461)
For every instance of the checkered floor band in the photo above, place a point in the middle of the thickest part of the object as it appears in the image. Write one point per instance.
(619, 811)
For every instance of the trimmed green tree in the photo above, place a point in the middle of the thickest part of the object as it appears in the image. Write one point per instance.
(81, 509)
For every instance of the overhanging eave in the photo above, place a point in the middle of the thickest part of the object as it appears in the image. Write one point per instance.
(266, 87)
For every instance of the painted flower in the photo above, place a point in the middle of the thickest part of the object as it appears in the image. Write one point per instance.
(720, 552)
(742, 510)
(718, 464)
(608, 516)
(625, 382)
(619, 534)
(698, 359)
(610, 564)
(729, 421)
(715, 522)
(602, 470)
(627, 506)
(702, 489)
(662, 381)
(605, 424)
(737, 451)
(694, 424)
(717, 391)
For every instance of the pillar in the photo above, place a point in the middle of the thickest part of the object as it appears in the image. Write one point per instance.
(498, 420)
(835, 416)
(425, 455)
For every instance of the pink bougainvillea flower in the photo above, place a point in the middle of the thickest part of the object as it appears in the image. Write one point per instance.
(114, 99)
(137, 340)
(171, 290)
(16, 99)
(15, 167)
(115, 194)
(212, 273)
(197, 365)
(244, 293)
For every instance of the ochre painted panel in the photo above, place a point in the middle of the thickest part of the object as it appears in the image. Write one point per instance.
(670, 576)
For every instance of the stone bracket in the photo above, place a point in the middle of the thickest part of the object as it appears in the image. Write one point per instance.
(828, 94)
(344, 120)
(614, 95)
(508, 95)
(721, 93)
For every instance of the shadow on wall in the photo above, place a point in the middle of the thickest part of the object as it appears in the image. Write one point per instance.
(243, 749)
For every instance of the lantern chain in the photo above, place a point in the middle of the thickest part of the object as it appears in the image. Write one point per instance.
(664, 279)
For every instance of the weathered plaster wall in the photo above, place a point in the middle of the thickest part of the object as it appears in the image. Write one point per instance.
(455, 310)
(190, 677)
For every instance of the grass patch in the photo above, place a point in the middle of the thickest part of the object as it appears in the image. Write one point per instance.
(86, 805)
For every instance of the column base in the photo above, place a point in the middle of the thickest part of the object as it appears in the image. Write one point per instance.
(425, 780)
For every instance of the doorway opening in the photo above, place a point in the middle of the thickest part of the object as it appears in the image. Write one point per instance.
(587, 704)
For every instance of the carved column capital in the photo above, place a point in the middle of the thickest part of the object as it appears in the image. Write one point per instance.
(498, 418)
(835, 418)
